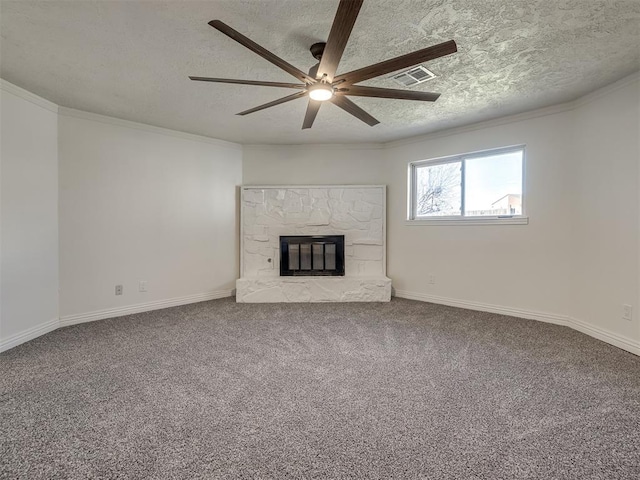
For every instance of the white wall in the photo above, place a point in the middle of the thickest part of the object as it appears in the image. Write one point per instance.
(140, 203)
(143, 204)
(575, 263)
(314, 165)
(29, 216)
(471, 263)
(522, 267)
(605, 185)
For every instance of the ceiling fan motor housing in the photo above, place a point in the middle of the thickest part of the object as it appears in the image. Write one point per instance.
(317, 49)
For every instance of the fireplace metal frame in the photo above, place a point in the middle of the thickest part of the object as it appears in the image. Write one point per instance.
(285, 241)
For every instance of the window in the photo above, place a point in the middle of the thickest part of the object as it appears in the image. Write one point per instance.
(480, 187)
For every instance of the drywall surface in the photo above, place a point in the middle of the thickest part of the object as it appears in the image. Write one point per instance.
(138, 205)
(29, 213)
(518, 266)
(605, 185)
(314, 165)
(523, 266)
(577, 260)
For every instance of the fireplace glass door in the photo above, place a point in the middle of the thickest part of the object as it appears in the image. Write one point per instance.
(312, 255)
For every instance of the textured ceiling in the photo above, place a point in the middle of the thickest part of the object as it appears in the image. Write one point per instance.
(131, 59)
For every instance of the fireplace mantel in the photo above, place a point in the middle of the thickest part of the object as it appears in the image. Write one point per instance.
(356, 211)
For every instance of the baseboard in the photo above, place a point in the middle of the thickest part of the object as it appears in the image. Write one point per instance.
(67, 320)
(612, 338)
(486, 307)
(29, 334)
(607, 336)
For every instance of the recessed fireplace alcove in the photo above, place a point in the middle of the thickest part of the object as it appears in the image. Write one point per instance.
(312, 255)
(313, 244)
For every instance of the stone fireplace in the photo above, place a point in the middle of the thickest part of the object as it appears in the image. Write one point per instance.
(313, 244)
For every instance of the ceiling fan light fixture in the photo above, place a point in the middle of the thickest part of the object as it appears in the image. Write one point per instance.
(320, 91)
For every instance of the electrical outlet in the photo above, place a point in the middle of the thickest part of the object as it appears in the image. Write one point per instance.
(142, 286)
(432, 279)
(627, 312)
(118, 289)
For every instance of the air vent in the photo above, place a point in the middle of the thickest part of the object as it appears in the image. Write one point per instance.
(413, 76)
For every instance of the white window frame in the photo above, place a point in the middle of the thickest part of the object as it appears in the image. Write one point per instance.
(461, 219)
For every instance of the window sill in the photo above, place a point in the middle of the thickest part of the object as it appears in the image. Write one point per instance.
(470, 221)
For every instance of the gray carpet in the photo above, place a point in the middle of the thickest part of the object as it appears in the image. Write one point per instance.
(399, 390)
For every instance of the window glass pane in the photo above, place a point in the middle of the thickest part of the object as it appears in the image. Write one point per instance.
(493, 185)
(438, 191)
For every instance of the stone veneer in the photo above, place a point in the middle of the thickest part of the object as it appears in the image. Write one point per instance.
(357, 212)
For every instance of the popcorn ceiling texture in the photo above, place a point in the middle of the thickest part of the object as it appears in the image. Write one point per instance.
(131, 60)
(358, 213)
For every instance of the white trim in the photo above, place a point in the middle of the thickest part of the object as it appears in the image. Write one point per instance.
(462, 158)
(71, 112)
(515, 220)
(620, 341)
(518, 117)
(68, 320)
(494, 122)
(298, 187)
(607, 336)
(141, 307)
(28, 96)
(384, 230)
(469, 127)
(499, 121)
(315, 146)
(29, 334)
(606, 90)
(485, 307)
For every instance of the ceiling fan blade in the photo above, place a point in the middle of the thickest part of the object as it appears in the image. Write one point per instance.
(263, 52)
(350, 107)
(312, 111)
(249, 82)
(338, 36)
(362, 91)
(397, 63)
(274, 103)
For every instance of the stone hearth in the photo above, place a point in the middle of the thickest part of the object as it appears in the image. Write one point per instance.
(357, 212)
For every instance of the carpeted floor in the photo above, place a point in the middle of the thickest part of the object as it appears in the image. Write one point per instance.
(399, 390)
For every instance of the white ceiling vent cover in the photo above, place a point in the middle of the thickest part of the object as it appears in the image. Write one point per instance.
(414, 76)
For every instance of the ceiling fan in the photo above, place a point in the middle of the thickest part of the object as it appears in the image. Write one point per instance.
(322, 83)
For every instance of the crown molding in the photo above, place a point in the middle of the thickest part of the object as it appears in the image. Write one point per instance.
(72, 112)
(607, 89)
(519, 117)
(315, 146)
(28, 96)
(496, 122)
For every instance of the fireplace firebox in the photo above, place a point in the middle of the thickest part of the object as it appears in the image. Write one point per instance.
(312, 255)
